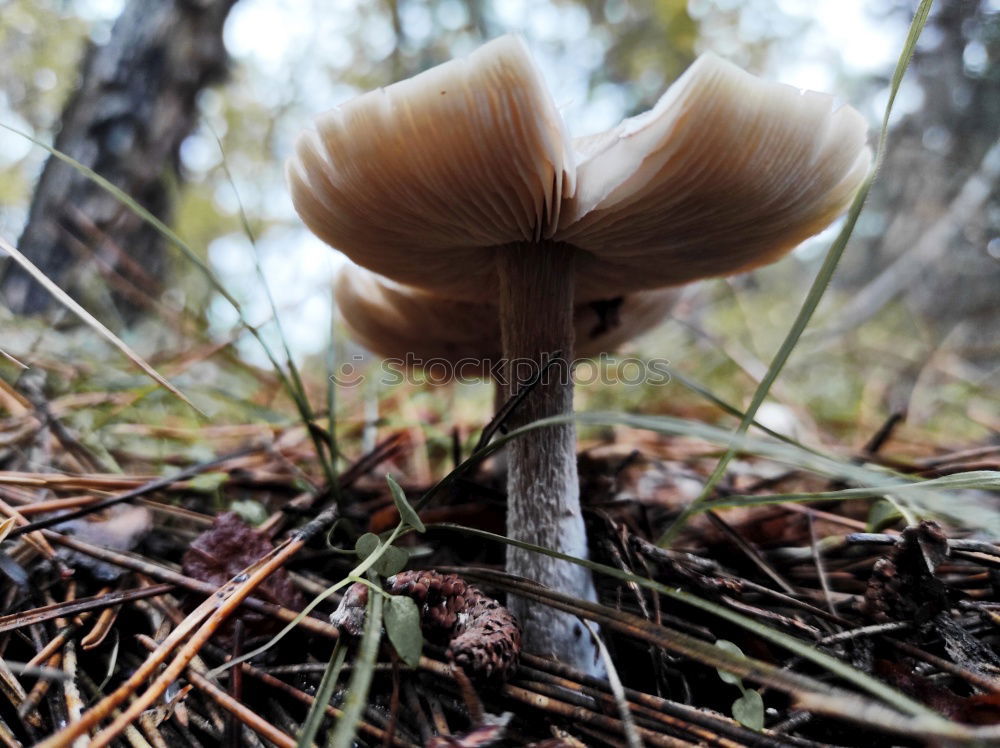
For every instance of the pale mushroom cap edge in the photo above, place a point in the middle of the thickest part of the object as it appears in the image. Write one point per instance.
(408, 324)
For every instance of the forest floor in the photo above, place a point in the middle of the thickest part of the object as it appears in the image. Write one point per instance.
(797, 607)
(171, 570)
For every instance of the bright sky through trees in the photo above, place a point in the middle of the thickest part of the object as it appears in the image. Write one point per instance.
(296, 58)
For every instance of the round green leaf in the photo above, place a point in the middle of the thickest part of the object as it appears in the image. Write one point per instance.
(406, 512)
(393, 561)
(402, 624)
(728, 646)
(748, 710)
(366, 545)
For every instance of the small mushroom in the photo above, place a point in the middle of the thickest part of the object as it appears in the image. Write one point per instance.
(463, 182)
(417, 328)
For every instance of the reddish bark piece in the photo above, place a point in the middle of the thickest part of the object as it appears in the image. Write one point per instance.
(226, 549)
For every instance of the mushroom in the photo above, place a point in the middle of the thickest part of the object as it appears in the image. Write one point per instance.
(417, 328)
(463, 182)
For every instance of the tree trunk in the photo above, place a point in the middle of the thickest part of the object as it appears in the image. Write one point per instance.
(939, 194)
(135, 104)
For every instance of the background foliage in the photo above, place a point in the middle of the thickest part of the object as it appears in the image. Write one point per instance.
(909, 325)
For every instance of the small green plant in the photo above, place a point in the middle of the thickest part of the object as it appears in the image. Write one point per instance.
(377, 558)
(402, 617)
(748, 709)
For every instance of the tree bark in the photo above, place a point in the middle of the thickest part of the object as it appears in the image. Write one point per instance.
(135, 104)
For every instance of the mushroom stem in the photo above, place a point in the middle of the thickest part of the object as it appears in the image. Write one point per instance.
(543, 506)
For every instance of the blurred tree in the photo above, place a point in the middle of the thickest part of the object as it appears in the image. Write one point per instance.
(938, 196)
(40, 46)
(648, 47)
(135, 103)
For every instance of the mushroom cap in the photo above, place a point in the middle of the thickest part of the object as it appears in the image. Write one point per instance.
(423, 180)
(408, 324)
(414, 180)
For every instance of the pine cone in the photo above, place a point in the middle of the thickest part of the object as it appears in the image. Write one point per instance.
(482, 637)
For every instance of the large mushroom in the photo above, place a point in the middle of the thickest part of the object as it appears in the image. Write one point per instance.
(463, 182)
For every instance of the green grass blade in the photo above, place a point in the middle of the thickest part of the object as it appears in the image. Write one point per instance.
(67, 301)
(323, 694)
(807, 652)
(361, 678)
(356, 572)
(821, 281)
(136, 208)
(295, 384)
(732, 410)
(979, 479)
(295, 393)
(331, 404)
(965, 510)
(258, 269)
